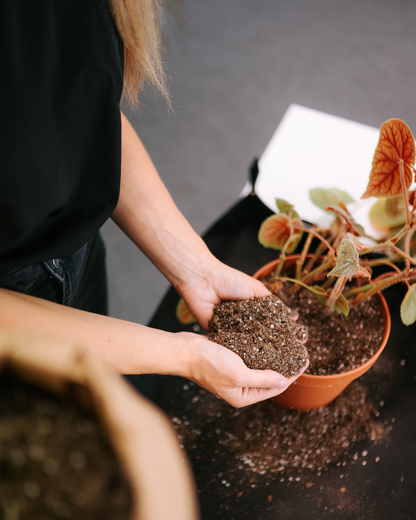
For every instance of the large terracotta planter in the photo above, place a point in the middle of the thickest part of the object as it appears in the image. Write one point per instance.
(310, 391)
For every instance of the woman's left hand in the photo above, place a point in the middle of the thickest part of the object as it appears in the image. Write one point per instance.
(221, 283)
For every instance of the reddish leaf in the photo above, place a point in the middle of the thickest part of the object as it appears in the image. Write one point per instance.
(395, 147)
(275, 232)
(183, 313)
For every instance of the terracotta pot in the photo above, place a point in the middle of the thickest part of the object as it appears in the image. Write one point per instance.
(142, 436)
(310, 391)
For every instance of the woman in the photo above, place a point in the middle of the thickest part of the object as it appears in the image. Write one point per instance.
(70, 160)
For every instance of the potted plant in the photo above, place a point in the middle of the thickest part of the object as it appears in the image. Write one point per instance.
(336, 263)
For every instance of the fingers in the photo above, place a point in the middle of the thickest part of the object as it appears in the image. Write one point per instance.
(265, 389)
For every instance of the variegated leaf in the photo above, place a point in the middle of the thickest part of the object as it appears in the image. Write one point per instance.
(395, 148)
(408, 306)
(347, 260)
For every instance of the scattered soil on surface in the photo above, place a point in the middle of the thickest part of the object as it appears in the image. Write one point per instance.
(56, 460)
(266, 439)
(262, 332)
(337, 343)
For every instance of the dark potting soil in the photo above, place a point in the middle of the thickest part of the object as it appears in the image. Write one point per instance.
(262, 332)
(56, 460)
(337, 343)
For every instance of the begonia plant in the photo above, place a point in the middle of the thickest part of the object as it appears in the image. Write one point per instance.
(331, 257)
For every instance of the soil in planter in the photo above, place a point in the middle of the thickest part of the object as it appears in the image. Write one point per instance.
(262, 332)
(56, 460)
(337, 343)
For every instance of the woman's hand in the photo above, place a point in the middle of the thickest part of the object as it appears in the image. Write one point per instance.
(220, 283)
(224, 374)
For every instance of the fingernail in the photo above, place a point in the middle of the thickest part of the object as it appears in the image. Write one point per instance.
(280, 383)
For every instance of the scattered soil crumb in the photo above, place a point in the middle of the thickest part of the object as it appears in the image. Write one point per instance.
(262, 332)
(56, 460)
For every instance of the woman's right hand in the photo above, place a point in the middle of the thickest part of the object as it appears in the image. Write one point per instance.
(224, 374)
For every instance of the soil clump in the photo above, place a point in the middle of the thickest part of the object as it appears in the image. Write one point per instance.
(56, 460)
(262, 332)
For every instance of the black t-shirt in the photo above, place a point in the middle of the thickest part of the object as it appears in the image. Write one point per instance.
(61, 79)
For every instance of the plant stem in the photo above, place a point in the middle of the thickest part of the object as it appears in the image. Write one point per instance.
(301, 260)
(404, 192)
(403, 254)
(336, 291)
(407, 247)
(340, 234)
(319, 237)
(326, 265)
(377, 287)
(387, 244)
(358, 290)
(298, 282)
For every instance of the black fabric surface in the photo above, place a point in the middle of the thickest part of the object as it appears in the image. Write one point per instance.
(60, 130)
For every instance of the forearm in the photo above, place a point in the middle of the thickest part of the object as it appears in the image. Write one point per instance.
(127, 348)
(149, 216)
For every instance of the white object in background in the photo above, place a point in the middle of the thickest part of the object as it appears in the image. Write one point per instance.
(311, 149)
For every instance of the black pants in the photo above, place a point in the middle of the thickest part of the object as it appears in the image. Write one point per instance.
(77, 281)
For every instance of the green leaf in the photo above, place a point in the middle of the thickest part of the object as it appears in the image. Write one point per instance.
(318, 290)
(284, 207)
(341, 305)
(387, 213)
(408, 306)
(329, 197)
(347, 260)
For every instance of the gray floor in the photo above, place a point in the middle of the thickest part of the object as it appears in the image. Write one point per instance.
(234, 73)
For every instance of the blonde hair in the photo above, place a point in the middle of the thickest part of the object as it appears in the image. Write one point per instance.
(139, 25)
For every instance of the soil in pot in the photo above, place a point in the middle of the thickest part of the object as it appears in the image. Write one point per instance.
(262, 332)
(336, 343)
(56, 460)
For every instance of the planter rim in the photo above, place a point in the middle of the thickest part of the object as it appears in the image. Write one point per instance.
(362, 368)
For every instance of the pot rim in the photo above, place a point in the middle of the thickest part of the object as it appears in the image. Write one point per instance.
(362, 368)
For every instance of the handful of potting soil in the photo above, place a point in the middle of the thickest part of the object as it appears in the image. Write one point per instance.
(262, 332)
